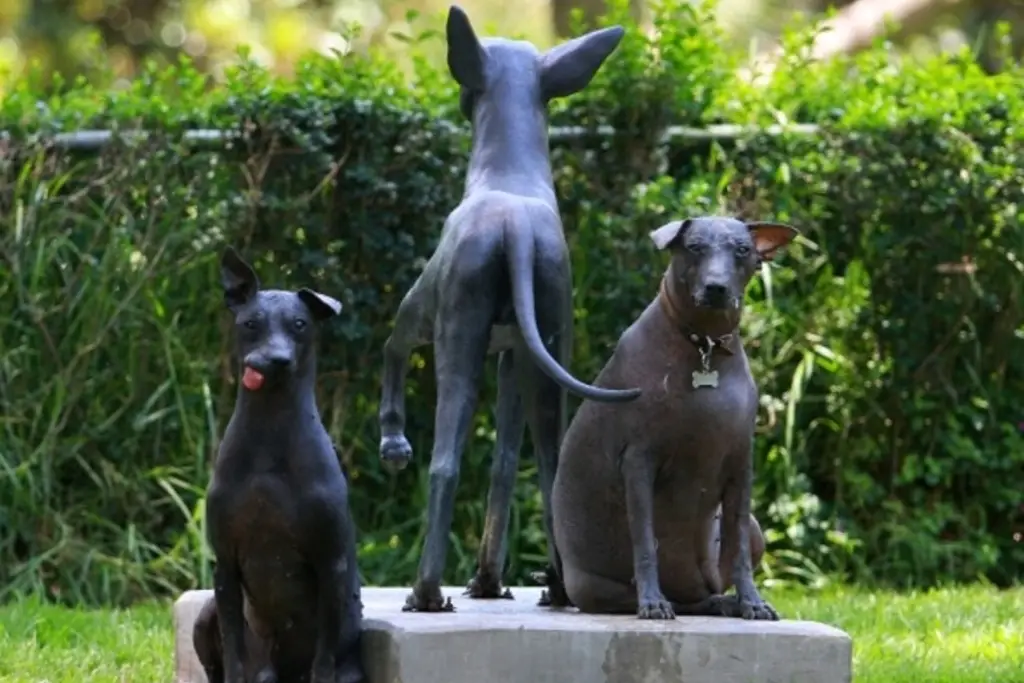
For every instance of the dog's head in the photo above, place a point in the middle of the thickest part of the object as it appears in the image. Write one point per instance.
(498, 71)
(274, 329)
(714, 258)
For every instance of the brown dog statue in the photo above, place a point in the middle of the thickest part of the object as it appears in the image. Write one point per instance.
(640, 486)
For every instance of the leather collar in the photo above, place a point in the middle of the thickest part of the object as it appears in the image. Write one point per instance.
(703, 342)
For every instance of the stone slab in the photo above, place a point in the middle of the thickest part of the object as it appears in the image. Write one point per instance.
(514, 641)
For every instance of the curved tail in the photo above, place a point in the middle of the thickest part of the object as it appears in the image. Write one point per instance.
(519, 249)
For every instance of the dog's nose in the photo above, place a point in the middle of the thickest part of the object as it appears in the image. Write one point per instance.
(715, 291)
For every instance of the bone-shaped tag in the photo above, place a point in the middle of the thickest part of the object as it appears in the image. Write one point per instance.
(705, 379)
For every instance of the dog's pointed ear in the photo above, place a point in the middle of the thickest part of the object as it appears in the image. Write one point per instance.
(770, 237)
(666, 235)
(467, 59)
(321, 305)
(237, 278)
(568, 68)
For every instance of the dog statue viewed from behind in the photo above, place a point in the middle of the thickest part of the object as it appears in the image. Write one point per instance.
(286, 605)
(499, 281)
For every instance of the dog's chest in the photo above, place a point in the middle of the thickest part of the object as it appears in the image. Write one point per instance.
(702, 433)
(264, 506)
(264, 524)
(715, 405)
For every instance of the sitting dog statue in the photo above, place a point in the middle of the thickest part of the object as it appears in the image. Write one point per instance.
(286, 605)
(640, 487)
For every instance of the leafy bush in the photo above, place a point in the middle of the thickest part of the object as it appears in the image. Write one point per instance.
(887, 342)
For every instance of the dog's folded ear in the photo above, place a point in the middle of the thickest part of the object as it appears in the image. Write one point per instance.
(237, 278)
(668, 234)
(569, 67)
(467, 59)
(770, 237)
(321, 305)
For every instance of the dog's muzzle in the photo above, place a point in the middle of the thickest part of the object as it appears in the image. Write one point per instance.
(271, 366)
(715, 296)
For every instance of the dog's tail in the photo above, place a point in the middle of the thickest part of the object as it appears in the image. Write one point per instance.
(519, 249)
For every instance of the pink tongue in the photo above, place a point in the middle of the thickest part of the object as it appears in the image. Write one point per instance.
(252, 380)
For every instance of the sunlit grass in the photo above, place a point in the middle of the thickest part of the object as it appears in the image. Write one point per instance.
(962, 635)
(59, 645)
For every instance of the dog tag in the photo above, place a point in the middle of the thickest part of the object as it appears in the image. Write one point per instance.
(705, 379)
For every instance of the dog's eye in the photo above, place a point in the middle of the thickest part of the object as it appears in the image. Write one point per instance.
(696, 248)
(299, 324)
(742, 250)
(250, 324)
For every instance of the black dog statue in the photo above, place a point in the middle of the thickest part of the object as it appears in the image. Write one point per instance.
(286, 605)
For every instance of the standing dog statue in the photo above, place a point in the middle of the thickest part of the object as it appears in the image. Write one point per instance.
(638, 487)
(502, 250)
(286, 605)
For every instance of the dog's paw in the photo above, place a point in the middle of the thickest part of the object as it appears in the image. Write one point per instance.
(655, 608)
(483, 588)
(757, 610)
(724, 606)
(555, 594)
(265, 675)
(428, 601)
(554, 600)
(750, 606)
(742, 607)
(395, 451)
(351, 673)
(348, 673)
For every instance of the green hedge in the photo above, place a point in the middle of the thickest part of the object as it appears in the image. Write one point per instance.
(890, 443)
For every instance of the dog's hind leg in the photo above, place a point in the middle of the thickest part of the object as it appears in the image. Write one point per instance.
(596, 594)
(510, 425)
(462, 331)
(407, 334)
(546, 410)
(717, 569)
(206, 642)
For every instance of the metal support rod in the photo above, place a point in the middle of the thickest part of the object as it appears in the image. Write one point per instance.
(92, 140)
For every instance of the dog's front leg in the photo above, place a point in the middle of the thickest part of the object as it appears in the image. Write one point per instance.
(638, 471)
(227, 592)
(332, 583)
(338, 612)
(735, 535)
(395, 450)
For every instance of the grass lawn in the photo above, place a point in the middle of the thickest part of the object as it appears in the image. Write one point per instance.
(963, 635)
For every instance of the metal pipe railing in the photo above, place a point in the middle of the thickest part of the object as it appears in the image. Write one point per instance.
(91, 140)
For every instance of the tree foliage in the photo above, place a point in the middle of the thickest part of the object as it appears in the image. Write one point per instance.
(887, 343)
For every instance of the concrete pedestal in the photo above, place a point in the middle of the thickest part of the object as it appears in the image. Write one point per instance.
(514, 641)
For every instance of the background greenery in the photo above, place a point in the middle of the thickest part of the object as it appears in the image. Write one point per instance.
(90, 37)
(887, 342)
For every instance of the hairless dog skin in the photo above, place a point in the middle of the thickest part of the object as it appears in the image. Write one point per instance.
(499, 281)
(286, 606)
(640, 487)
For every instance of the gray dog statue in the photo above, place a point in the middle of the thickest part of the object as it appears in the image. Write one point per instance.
(640, 488)
(501, 252)
(286, 605)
